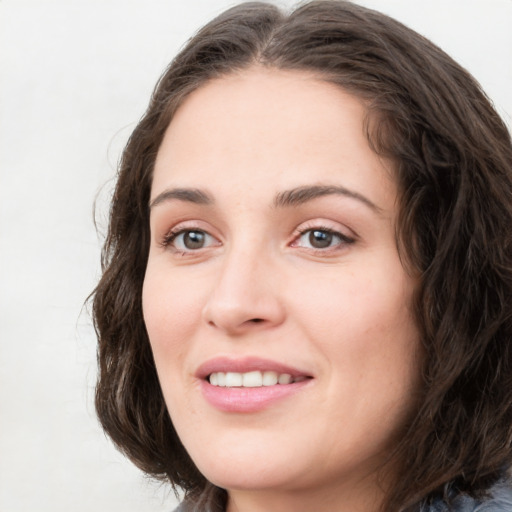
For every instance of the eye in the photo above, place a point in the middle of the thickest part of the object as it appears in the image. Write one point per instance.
(186, 240)
(322, 238)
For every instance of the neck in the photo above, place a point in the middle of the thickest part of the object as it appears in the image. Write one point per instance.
(363, 496)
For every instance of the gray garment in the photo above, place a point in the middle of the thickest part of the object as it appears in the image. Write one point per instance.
(499, 500)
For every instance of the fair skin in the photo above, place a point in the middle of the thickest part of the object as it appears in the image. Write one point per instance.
(273, 250)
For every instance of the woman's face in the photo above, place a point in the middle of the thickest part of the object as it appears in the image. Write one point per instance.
(276, 305)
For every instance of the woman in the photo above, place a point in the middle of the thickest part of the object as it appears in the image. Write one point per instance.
(306, 297)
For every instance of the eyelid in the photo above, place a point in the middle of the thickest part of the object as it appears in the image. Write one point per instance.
(322, 224)
(166, 240)
(173, 236)
(327, 227)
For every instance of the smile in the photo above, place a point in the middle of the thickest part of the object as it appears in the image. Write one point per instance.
(249, 384)
(254, 379)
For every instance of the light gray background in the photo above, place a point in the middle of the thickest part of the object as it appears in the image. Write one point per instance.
(75, 76)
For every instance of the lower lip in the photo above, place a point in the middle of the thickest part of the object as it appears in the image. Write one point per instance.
(248, 399)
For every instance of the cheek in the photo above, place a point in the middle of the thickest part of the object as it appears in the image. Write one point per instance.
(362, 323)
(368, 300)
(171, 315)
(171, 312)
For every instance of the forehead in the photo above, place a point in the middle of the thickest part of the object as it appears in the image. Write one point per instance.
(268, 126)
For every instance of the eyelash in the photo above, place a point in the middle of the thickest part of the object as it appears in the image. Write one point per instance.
(344, 239)
(171, 236)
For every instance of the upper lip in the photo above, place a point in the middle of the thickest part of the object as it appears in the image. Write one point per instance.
(244, 365)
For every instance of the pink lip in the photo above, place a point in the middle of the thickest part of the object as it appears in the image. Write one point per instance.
(245, 400)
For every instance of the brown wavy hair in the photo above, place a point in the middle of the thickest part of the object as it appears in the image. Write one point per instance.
(453, 165)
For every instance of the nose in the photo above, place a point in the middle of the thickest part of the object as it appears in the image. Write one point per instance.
(245, 296)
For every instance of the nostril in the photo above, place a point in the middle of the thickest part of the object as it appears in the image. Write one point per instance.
(257, 320)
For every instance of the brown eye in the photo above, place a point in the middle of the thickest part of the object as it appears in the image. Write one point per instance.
(194, 239)
(320, 239)
(190, 240)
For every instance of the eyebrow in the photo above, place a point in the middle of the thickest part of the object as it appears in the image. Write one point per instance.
(293, 197)
(307, 193)
(191, 195)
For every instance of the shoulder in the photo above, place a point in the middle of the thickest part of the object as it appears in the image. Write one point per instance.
(499, 499)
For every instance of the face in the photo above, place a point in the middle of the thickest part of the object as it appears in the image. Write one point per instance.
(275, 301)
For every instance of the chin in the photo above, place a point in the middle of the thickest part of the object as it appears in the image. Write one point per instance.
(246, 476)
(247, 461)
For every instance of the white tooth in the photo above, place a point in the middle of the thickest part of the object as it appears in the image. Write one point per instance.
(269, 378)
(285, 378)
(252, 379)
(233, 379)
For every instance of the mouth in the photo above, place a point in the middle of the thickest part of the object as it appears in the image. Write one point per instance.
(249, 384)
(249, 372)
(253, 379)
